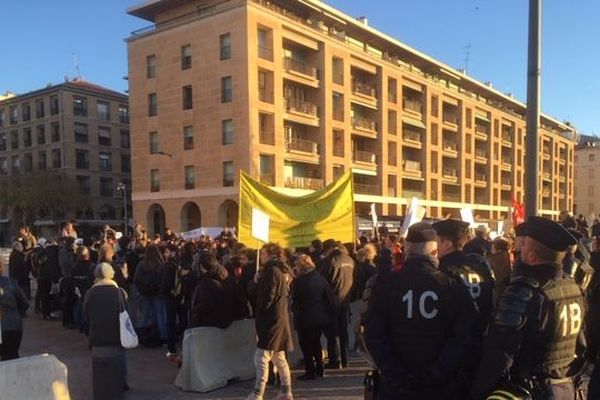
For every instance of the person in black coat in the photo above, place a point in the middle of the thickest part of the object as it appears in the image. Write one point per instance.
(213, 303)
(13, 305)
(48, 273)
(314, 308)
(19, 269)
(272, 322)
(480, 244)
(83, 279)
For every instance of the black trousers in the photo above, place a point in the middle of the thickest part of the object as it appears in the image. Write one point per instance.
(69, 300)
(337, 337)
(11, 342)
(309, 339)
(44, 287)
(175, 310)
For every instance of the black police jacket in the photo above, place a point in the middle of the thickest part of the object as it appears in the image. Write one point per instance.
(420, 327)
(475, 272)
(536, 332)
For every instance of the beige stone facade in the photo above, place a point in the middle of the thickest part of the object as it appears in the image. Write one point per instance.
(44, 131)
(587, 175)
(315, 93)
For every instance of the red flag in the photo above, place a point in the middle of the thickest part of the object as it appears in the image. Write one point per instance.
(518, 212)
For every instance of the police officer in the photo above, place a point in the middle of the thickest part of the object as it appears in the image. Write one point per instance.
(576, 263)
(473, 269)
(538, 327)
(420, 325)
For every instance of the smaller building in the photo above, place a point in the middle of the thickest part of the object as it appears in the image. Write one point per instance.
(76, 135)
(587, 177)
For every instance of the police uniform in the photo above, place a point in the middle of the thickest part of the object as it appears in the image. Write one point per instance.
(538, 327)
(419, 327)
(576, 263)
(472, 269)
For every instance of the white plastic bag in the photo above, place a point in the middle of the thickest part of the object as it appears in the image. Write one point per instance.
(129, 339)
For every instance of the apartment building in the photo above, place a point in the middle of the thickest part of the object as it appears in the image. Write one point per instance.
(76, 129)
(586, 194)
(296, 93)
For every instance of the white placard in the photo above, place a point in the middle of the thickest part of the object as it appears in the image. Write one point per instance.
(260, 225)
(466, 214)
(414, 214)
(500, 228)
(374, 215)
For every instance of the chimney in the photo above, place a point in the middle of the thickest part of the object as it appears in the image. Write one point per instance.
(364, 20)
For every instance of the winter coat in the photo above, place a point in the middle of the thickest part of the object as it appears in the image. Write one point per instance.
(102, 308)
(18, 268)
(48, 264)
(272, 317)
(213, 300)
(13, 305)
(66, 260)
(362, 272)
(479, 246)
(313, 302)
(83, 276)
(338, 270)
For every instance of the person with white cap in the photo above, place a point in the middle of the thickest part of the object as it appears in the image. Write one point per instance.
(102, 305)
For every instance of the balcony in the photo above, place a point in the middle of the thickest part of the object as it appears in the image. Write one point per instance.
(450, 174)
(450, 118)
(364, 89)
(300, 182)
(266, 53)
(411, 166)
(506, 183)
(300, 71)
(364, 188)
(454, 197)
(267, 179)
(413, 106)
(480, 179)
(545, 192)
(506, 163)
(562, 178)
(412, 138)
(302, 146)
(450, 147)
(547, 174)
(305, 111)
(481, 132)
(481, 156)
(365, 157)
(365, 125)
(546, 152)
(506, 139)
(409, 194)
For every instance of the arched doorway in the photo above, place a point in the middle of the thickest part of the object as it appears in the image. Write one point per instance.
(155, 220)
(191, 217)
(228, 214)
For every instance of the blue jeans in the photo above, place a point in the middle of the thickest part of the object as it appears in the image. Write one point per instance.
(154, 312)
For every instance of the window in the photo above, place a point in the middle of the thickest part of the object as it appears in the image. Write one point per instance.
(190, 177)
(188, 137)
(154, 180)
(154, 148)
(16, 165)
(592, 157)
(2, 117)
(41, 134)
(55, 132)
(151, 66)
(434, 106)
(82, 159)
(27, 162)
(125, 139)
(27, 137)
(14, 115)
(103, 136)
(81, 133)
(123, 114)
(14, 140)
(186, 94)
(103, 110)
(338, 143)
(228, 173)
(105, 161)
(2, 141)
(56, 158)
(54, 107)
(591, 173)
(227, 131)
(40, 111)
(25, 111)
(106, 187)
(80, 106)
(225, 45)
(84, 184)
(42, 161)
(186, 57)
(590, 191)
(125, 164)
(152, 105)
(3, 166)
(226, 89)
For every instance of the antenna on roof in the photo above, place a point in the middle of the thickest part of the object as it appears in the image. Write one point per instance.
(76, 67)
(467, 57)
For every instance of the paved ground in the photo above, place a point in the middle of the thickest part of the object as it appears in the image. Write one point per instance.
(151, 376)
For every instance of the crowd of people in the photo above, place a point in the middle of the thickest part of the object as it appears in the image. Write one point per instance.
(444, 315)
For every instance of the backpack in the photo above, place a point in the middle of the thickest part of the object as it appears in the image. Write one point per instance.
(147, 283)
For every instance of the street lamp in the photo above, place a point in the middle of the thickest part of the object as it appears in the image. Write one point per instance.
(121, 187)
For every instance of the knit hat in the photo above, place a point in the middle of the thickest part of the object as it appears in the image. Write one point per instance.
(421, 232)
(104, 271)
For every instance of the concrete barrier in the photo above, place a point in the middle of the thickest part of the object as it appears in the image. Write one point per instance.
(40, 377)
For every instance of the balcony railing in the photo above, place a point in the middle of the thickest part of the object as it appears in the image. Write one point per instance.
(506, 181)
(265, 53)
(481, 153)
(300, 182)
(364, 88)
(482, 130)
(545, 192)
(364, 188)
(365, 157)
(451, 172)
(302, 67)
(299, 106)
(305, 146)
(267, 179)
(450, 146)
(451, 197)
(450, 118)
(507, 137)
(411, 135)
(412, 105)
(546, 150)
(364, 123)
(412, 166)
(479, 177)
(506, 160)
(407, 194)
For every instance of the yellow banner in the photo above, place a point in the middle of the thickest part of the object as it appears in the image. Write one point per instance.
(296, 221)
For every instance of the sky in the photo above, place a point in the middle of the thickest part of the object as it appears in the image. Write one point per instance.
(45, 41)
